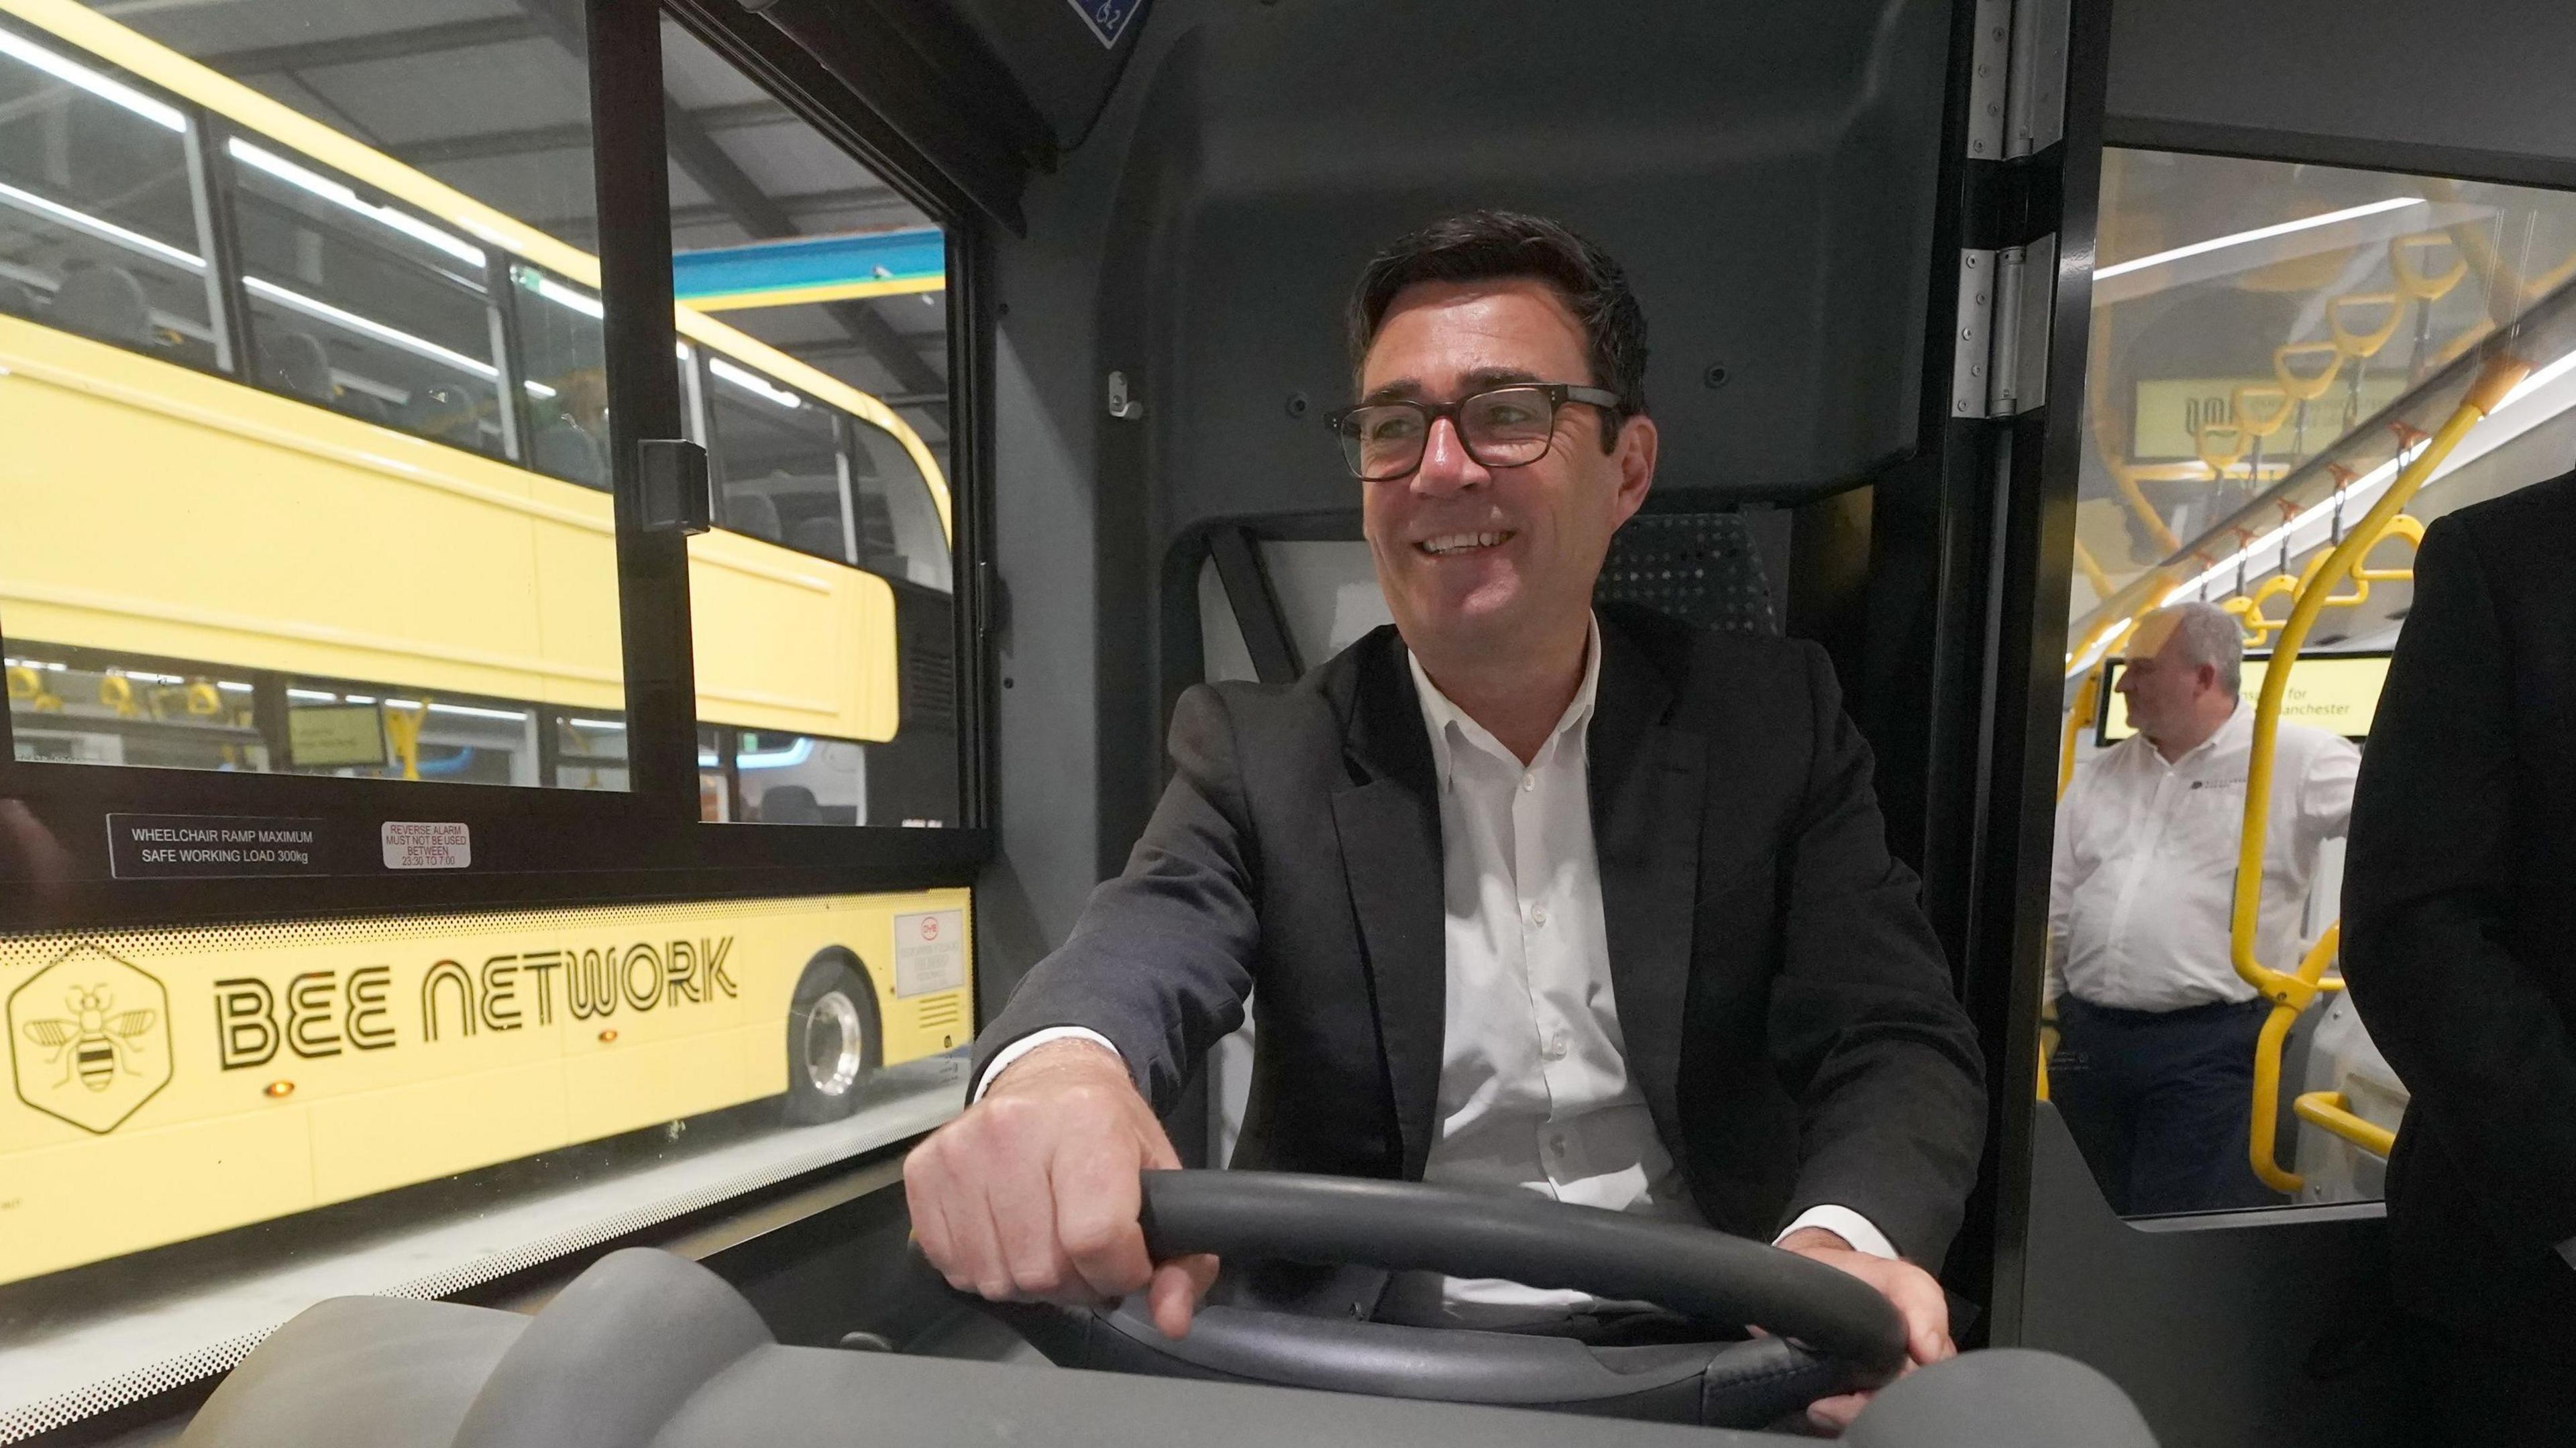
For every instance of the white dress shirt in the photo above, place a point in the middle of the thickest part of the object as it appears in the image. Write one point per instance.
(2144, 871)
(1534, 1086)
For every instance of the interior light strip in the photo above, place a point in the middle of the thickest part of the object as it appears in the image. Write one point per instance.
(565, 297)
(116, 92)
(472, 712)
(340, 195)
(371, 327)
(2260, 233)
(104, 230)
(755, 384)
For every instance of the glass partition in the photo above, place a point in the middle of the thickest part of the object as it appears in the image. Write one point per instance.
(2274, 348)
(328, 452)
(304, 470)
(815, 364)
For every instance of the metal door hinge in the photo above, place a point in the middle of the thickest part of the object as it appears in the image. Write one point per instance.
(2017, 78)
(1123, 405)
(1999, 351)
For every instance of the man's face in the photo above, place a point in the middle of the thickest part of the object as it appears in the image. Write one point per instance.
(1471, 557)
(2166, 692)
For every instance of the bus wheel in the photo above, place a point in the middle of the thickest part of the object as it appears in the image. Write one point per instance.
(833, 1044)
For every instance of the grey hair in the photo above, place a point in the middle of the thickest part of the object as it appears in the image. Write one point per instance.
(2208, 634)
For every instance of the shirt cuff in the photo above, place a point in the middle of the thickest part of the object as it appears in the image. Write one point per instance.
(1003, 1058)
(2567, 1251)
(1847, 1224)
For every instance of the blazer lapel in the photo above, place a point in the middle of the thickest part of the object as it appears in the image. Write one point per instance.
(1649, 785)
(1388, 819)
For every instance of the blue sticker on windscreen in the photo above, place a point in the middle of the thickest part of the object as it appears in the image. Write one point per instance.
(1108, 19)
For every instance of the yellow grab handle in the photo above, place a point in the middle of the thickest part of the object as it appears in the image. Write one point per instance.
(2404, 525)
(2220, 457)
(402, 731)
(2355, 343)
(116, 693)
(2307, 387)
(2290, 994)
(2414, 282)
(2252, 418)
(2329, 1110)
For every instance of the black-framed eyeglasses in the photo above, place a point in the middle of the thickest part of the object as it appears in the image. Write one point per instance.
(1502, 427)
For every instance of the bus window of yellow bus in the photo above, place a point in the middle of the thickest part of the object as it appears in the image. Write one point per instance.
(817, 374)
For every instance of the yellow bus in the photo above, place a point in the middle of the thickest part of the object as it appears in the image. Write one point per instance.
(171, 1083)
(309, 449)
(303, 457)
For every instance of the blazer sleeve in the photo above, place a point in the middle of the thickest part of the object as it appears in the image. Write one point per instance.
(2483, 1049)
(1160, 962)
(1865, 1030)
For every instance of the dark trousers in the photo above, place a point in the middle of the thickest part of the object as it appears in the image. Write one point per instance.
(2160, 1103)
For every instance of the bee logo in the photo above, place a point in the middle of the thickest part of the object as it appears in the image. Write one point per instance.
(90, 1039)
(94, 1043)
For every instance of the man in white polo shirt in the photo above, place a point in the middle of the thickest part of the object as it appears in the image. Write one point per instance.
(2154, 1068)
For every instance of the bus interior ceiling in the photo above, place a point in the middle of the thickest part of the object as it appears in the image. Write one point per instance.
(1769, 181)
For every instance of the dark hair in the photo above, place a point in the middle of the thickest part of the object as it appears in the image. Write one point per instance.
(1477, 246)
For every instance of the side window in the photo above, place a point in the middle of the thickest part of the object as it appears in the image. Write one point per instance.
(901, 531)
(99, 208)
(565, 354)
(777, 461)
(361, 306)
(828, 684)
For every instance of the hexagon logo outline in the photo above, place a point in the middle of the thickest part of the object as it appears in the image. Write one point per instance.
(89, 1039)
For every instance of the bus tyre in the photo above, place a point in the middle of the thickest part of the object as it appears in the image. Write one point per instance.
(833, 1040)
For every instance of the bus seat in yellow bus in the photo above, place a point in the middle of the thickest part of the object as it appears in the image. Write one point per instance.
(753, 513)
(789, 804)
(445, 411)
(105, 302)
(567, 452)
(820, 537)
(296, 362)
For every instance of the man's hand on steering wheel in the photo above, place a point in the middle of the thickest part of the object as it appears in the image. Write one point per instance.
(1033, 1193)
(1917, 1297)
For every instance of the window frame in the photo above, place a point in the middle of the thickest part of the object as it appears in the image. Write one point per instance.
(537, 845)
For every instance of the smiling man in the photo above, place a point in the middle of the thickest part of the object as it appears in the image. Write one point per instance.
(1535, 896)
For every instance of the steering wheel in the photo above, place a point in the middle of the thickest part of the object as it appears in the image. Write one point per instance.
(1829, 1332)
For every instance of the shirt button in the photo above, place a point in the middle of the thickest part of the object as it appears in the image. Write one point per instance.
(1529, 780)
(1556, 1047)
(1538, 915)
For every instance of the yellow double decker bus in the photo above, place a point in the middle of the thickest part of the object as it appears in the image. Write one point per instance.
(307, 448)
(304, 466)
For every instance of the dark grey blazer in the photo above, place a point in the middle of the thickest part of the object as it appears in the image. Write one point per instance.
(1787, 1014)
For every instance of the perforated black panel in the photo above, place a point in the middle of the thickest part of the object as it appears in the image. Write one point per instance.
(1703, 567)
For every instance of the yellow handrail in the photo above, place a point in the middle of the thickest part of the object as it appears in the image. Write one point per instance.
(2088, 699)
(2329, 1110)
(2290, 994)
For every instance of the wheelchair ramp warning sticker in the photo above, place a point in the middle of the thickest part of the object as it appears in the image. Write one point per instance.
(929, 952)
